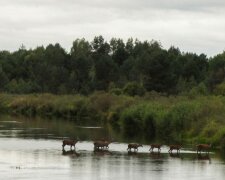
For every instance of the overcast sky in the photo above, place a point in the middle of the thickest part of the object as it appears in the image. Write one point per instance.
(192, 25)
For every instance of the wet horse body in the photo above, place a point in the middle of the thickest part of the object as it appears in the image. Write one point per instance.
(70, 143)
(203, 147)
(174, 147)
(101, 144)
(133, 146)
(157, 146)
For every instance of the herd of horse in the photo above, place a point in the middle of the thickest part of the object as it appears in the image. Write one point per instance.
(104, 144)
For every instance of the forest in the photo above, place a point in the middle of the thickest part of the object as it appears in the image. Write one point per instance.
(138, 88)
(132, 67)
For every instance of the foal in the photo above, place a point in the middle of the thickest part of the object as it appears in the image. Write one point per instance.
(174, 147)
(202, 147)
(69, 143)
(157, 146)
(133, 146)
(101, 144)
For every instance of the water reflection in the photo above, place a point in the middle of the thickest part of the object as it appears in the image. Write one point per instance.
(70, 152)
(35, 146)
(132, 153)
(102, 152)
(204, 157)
(155, 155)
(48, 128)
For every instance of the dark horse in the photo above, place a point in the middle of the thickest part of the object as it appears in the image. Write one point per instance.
(70, 143)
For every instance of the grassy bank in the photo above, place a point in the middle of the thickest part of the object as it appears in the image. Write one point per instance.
(178, 119)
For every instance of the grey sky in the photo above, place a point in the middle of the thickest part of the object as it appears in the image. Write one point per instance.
(192, 25)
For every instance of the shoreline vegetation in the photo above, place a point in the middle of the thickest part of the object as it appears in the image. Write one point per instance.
(139, 87)
(182, 119)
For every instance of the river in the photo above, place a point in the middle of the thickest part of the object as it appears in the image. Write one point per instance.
(32, 149)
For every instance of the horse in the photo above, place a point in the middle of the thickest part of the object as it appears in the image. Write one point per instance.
(158, 146)
(101, 144)
(174, 147)
(201, 147)
(133, 146)
(69, 143)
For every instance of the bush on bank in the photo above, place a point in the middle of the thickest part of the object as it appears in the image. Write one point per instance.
(198, 119)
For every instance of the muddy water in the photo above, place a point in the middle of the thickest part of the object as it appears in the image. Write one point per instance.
(32, 149)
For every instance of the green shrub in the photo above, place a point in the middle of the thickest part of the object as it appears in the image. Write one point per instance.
(149, 126)
(179, 118)
(210, 129)
(220, 89)
(222, 145)
(133, 88)
(102, 101)
(164, 129)
(218, 136)
(113, 119)
(132, 123)
(116, 91)
(20, 86)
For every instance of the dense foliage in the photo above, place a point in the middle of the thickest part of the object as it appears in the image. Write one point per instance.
(180, 119)
(132, 67)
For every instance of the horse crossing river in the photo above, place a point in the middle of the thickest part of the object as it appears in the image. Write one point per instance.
(32, 149)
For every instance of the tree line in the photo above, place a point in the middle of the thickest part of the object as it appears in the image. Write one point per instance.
(132, 67)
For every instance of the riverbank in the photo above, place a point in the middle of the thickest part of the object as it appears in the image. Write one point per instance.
(180, 119)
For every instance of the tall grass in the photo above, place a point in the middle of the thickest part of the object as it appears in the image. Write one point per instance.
(199, 119)
(177, 119)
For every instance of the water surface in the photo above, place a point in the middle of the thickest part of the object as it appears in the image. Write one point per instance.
(32, 149)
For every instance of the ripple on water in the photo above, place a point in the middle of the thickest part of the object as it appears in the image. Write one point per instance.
(89, 127)
(12, 122)
(36, 128)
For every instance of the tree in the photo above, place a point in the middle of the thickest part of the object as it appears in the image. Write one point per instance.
(100, 46)
(80, 49)
(106, 71)
(217, 70)
(80, 66)
(156, 71)
(129, 46)
(119, 53)
(3, 79)
(133, 88)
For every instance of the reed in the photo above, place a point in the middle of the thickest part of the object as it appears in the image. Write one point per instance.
(198, 119)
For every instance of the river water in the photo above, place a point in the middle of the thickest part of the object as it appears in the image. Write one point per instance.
(32, 149)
